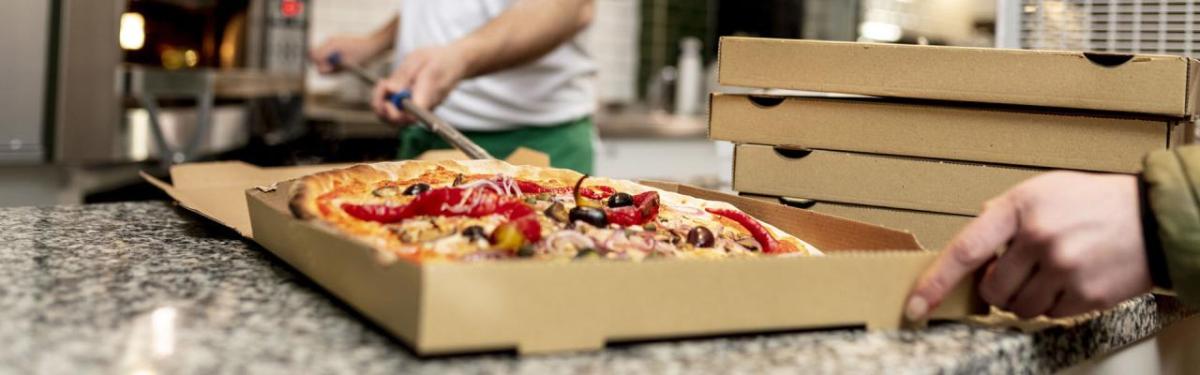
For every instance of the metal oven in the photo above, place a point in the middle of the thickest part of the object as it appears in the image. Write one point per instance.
(113, 81)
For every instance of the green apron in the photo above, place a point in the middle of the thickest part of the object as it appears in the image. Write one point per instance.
(569, 144)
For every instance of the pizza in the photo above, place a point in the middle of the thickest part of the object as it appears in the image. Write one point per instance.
(488, 209)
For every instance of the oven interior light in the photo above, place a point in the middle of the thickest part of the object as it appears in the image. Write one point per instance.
(133, 31)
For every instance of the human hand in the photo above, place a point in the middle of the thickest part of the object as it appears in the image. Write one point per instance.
(352, 49)
(1074, 245)
(430, 74)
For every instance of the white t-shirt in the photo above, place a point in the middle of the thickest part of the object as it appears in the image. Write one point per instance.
(553, 89)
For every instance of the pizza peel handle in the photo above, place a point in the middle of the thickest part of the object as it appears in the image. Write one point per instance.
(403, 101)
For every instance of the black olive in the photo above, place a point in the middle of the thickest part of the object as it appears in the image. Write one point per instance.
(620, 200)
(594, 216)
(700, 237)
(558, 212)
(474, 233)
(386, 192)
(417, 189)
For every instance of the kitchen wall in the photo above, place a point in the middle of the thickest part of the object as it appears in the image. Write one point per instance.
(944, 21)
(333, 17)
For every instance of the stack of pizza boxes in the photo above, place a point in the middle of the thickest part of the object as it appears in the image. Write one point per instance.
(933, 132)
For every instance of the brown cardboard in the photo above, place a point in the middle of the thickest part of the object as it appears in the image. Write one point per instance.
(1153, 84)
(877, 180)
(933, 230)
(216, 190)
(990, 134)
(536, 306)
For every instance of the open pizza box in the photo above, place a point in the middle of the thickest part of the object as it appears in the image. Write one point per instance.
(544, 306)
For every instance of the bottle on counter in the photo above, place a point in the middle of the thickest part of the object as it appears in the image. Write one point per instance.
(690, 78)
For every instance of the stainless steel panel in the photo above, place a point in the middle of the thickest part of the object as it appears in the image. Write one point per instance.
(23, 24)
(227, 130)
(88, 108)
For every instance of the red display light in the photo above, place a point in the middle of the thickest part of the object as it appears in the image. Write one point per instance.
(291, 8)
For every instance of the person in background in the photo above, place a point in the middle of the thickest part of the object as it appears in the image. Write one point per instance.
(1079, 242)
(507, 73)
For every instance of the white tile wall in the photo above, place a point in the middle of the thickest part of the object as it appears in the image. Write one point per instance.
(332, 17)
(612, 41)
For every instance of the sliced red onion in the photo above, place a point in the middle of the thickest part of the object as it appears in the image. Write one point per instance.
(573, 237)
(484, 183)
(510, 186)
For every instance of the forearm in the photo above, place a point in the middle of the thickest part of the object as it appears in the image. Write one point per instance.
(525, 32)
(384, 37)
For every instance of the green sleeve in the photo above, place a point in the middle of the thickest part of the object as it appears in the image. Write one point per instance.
(1172, 179)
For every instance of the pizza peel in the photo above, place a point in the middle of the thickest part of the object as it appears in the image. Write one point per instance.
(403, 101)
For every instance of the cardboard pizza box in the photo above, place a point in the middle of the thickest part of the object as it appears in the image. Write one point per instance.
(536, 306)
(1152, 84)
(933, 230)
(870, 179)
(945, 130)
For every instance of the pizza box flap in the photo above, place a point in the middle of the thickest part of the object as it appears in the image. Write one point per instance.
(1152, 84)
(217, 190)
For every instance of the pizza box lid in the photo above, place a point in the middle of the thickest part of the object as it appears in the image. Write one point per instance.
(872, 179)
(217, 190)
(987, 133)
(1149, 84)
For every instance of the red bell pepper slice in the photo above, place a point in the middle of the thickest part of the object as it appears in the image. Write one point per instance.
(644, 209)
(529, 227)
(769, 244)
(435, 202)
(597, 192)
(374, 212)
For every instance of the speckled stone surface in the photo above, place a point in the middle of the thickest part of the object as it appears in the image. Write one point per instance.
(122, 288)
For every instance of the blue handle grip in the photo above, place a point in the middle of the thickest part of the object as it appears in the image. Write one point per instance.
(334, 59)
(397, 98)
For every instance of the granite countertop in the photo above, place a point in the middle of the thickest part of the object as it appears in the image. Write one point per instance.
(136, 287)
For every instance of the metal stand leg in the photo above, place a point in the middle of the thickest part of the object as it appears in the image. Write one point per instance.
(167, 154)
(204, 107)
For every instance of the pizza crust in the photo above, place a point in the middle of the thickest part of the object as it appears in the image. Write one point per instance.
(305, 191)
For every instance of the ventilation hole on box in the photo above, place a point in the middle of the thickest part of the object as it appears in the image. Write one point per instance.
(797, 202)
(1107, 59)
(765, 101)
(792, 152)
